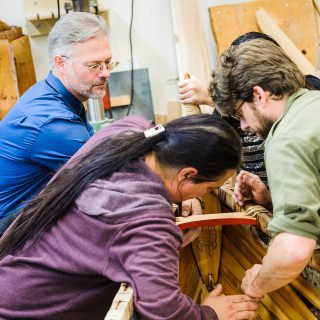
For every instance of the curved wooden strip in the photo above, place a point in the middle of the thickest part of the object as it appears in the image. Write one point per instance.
(311, 293)
(215, 219)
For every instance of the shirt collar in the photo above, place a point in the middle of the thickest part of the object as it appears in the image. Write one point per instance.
(71, 101)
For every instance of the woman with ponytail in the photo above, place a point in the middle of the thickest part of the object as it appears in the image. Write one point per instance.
(107, 218)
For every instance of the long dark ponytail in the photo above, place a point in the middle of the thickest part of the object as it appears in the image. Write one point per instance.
(201, 141)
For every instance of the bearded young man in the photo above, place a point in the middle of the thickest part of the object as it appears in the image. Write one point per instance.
(48, 124)
(257, 83)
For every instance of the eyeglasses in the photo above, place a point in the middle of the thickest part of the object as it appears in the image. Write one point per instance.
(238, 112)
(97, 68)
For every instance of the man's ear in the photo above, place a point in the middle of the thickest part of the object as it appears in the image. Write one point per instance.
(259, 97)
(186, 173)
(60, 62)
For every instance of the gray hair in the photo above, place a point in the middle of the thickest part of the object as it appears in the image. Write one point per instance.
(73, 28)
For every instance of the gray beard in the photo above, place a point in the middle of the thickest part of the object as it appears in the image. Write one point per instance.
(96, 95)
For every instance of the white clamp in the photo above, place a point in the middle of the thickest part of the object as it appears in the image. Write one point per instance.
(154, 131)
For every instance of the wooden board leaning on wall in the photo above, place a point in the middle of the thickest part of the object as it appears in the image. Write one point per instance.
(296, 18)
(16, 65)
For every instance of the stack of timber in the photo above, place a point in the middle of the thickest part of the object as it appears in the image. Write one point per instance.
(16, 65)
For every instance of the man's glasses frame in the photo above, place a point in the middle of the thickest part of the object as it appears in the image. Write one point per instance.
(238, 111)
(99, 67)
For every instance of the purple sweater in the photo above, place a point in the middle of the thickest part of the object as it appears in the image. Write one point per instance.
(120, 230)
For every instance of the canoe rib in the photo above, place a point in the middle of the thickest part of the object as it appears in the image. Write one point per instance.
(215, 219)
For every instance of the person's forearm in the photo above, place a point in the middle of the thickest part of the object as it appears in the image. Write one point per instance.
(286, 258)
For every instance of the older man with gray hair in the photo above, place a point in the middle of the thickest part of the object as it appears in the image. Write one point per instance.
(48, 124)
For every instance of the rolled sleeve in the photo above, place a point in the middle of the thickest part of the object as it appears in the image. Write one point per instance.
(292, 167)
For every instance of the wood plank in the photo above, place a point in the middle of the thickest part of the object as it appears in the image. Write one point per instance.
(173, 110)
(160, 118)
(214, 219)
(283, 303)
(317, 5)
(11, 34)
(317, 13)
(207, 247)
(24, 63)
(191, 46)
(118, 101)
(295, 18)
(188, 271)
(3, 26)
(229, 288)
(311, 293)
(294, 303)
(9, 92)
(270, 27)
(122, 304)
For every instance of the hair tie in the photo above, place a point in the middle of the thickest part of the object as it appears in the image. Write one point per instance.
(154, 131)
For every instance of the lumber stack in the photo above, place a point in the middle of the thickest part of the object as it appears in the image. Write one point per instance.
(16, 65)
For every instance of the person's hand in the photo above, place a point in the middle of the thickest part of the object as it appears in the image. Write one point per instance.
(247, 285)
(232, 307)
(191, 207)
(193, 91)
(249, 185)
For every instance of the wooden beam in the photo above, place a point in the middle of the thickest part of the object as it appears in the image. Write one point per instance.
(11, 34)
(122, 304)
(207, 247)
(307, 290)
(270, 27)
(191, 46)
(9, 92)
(3, 26)
(24, 63)
(118, 101)
(295, 18)
(215, 219)
(317, 5)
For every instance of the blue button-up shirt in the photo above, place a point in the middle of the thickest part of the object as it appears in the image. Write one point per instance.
(39, 134)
